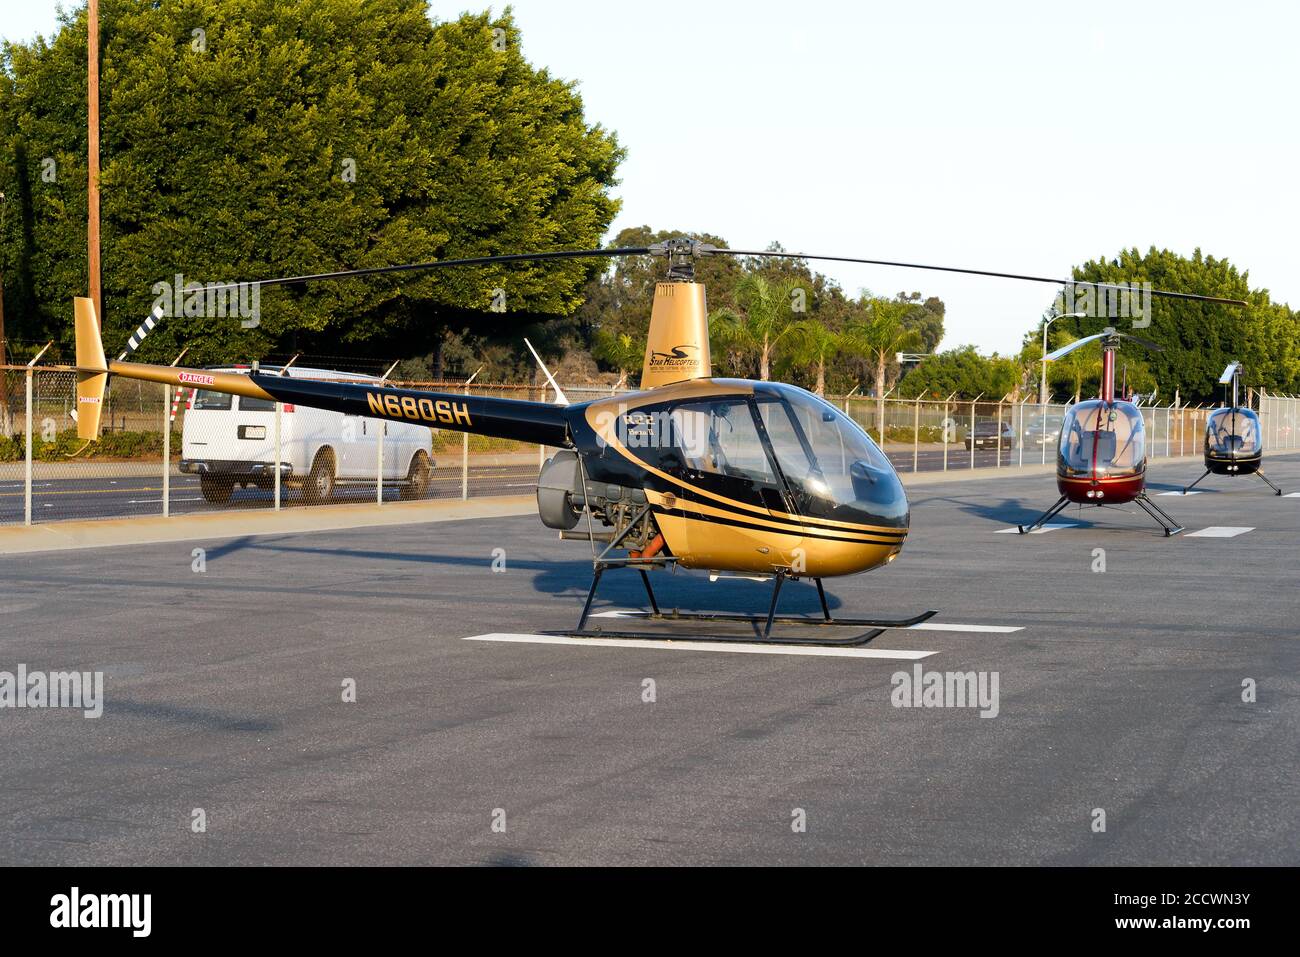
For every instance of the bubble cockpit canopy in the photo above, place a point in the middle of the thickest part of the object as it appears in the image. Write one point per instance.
(833, 468)
(1102, 440)
(783, 448)
(1233, 433)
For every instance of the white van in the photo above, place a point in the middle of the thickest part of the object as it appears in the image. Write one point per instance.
(229, 440)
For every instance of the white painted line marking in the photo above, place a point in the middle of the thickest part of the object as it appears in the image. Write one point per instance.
(726, 647)
(956, 626)
(1195, 491)
(1038, 531)
(1220, 531)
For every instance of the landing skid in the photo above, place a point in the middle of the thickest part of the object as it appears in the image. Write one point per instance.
(876, 625)
(1197, 482)
(1276, 490)
(1162, 518)
(1047, 516)
(1263, 477)
(1169, 526)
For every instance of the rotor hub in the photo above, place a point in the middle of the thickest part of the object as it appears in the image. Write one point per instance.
(681, 252)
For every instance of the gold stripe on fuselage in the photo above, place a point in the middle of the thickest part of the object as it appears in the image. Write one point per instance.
(700, 543)
(790, 527)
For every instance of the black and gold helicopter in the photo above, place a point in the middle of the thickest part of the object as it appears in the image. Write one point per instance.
(729, 475)
(1234, 440)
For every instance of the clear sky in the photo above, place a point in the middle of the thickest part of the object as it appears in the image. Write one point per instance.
(1016, 136)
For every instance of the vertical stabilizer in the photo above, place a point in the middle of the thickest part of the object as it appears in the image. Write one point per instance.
(92, 369)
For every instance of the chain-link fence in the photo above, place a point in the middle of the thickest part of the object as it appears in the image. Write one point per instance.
(232, 452)
(228, 452)
(1280, 417)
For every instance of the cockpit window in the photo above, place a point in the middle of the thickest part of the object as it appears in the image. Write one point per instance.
(720, 438)
(1107, 437)
(1233, 432)
(833, 468)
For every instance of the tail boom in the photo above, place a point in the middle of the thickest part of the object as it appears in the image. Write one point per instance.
(525, 421)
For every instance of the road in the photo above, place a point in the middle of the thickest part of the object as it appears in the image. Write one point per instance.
(103, 497)
(1160, 693)
(55, 499)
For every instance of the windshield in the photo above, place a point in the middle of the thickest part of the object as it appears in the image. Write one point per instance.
(1233, 432)
(831, 465)
(1110, 438)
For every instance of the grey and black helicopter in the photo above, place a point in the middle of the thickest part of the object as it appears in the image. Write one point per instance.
(1234, 440)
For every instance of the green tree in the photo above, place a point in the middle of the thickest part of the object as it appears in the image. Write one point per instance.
(926, 317)
(962, 371)
(620, 350)
(620, 296)
(297, 138)
(1199, 339)
(814, 343)
(765, 315)
(877, 333)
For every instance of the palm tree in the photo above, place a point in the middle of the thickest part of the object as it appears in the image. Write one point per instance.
(812, 343)
(620, 350)
(765, 317)
(878, 337)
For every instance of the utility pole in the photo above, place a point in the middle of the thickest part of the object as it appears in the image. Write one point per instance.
(6, 428)
(92, 191)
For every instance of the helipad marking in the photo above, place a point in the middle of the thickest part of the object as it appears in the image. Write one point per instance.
(1220, 531)
(923, 626)
(726, 647)
(1195, 491)
(957, 626)
(1038, 531)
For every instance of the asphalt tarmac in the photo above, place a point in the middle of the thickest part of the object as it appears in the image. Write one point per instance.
(111, 495)
(1146, 714)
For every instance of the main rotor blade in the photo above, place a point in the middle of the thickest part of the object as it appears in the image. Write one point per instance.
(1077, 343)
(440, 263)
(978, 272)
(1146, 343)
(1228, 373)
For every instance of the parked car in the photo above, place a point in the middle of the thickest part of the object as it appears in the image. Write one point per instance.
(229, 441)
(986, 435)
(1039, 432)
